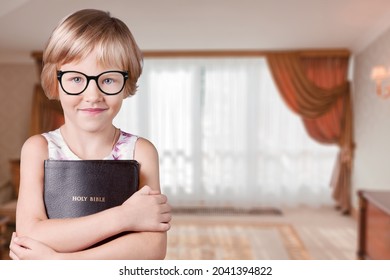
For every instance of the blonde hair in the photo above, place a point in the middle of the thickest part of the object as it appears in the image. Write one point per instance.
(81, 33)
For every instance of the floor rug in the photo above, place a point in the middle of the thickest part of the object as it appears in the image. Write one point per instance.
(233, 240)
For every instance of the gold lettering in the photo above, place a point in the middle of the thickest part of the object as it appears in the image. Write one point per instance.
(79, 198)
(97, 198)
(91, 198)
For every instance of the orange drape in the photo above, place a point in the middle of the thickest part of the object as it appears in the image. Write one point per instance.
(316, 88)
(46, 114)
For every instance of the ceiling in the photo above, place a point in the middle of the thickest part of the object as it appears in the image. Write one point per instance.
(25, 25)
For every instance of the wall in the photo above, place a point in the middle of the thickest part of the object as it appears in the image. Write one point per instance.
(372, 120)
(16, 90)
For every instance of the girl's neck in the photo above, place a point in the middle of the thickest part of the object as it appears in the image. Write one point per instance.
(90, 144)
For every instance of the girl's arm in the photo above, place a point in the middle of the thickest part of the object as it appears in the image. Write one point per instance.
(136, 246)
(144, 211)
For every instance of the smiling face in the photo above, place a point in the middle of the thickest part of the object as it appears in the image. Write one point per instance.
(92, 110)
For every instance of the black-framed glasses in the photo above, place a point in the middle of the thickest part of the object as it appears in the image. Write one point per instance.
(108, 82)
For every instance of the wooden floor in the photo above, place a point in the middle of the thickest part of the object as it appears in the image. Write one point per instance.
(324, 232)
(233, 239)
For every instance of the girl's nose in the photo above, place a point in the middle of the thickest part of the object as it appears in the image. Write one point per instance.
(92, 93)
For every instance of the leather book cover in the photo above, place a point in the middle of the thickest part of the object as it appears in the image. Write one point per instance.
(75, 188)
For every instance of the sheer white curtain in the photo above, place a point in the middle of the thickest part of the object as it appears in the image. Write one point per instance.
(225, 137)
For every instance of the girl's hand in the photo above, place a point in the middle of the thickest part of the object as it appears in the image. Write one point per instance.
(147, 210)
(25, 248)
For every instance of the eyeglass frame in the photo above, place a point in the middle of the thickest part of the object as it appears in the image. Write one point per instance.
(95, 78)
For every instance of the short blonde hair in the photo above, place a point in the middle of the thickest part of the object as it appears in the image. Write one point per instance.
(81, 33)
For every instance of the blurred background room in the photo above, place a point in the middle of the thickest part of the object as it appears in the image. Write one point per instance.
(269, 117)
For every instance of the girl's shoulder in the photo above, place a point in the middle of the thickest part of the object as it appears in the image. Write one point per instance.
(145, 149)
(145, 144)
(35, 142)
(35, 145)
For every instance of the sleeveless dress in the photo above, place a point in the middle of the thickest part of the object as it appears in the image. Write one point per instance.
(58, 150)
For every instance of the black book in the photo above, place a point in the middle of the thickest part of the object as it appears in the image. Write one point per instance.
(75, 188)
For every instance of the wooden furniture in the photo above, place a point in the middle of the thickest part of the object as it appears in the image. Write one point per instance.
(15, 175)
(374, 225)
(3, 239)
(8, 209)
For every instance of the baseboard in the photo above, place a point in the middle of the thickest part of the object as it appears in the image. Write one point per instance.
(204, 210)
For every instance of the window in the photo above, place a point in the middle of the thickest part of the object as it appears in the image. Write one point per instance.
(225, 136)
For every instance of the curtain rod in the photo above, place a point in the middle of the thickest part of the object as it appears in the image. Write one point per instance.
(231, 53)
(242, 53)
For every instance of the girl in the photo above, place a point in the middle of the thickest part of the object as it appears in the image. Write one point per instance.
(91, 63)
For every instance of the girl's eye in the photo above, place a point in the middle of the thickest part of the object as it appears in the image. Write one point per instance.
(77, 80)
(108, 81)
(74, 79)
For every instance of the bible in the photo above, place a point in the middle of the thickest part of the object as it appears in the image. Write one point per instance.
(76, 188)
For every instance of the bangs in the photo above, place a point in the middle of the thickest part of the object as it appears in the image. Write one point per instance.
(109, 55)
(109, 52)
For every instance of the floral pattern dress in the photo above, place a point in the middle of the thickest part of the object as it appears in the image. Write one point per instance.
(58, 149)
